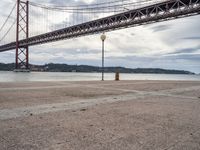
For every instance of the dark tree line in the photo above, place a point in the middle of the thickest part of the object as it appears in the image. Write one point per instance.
(85, 68)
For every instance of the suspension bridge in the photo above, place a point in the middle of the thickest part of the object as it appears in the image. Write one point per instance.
(36, 24)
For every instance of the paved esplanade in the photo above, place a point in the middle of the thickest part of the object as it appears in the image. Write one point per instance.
(96, 115)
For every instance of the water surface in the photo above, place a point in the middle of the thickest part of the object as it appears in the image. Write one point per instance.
(63, 76)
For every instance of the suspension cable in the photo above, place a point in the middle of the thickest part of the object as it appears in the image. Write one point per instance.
(95, 7)
(8, 31)
(8, 17)
(95, 4)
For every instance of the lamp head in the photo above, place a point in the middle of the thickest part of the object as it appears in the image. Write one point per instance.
(103, 37)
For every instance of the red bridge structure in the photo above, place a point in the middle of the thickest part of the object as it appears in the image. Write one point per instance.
(119, 14)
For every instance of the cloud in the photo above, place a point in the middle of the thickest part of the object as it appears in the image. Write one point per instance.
(191, 38)
(186, 50)
(160, 28)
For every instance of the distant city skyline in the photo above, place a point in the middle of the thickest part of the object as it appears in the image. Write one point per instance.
(170, 45)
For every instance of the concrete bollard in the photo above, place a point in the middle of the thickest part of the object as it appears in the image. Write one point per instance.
(117, 76)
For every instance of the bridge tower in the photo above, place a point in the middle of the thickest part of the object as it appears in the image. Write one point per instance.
(22, 32)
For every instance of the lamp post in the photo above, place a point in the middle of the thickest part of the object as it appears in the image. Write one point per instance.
(103, 38)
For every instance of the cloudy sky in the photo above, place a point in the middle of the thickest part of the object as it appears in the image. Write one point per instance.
(170, 45)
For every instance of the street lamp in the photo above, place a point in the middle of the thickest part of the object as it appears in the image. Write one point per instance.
(103, 38)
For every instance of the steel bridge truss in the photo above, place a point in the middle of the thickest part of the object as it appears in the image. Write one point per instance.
(167, 10)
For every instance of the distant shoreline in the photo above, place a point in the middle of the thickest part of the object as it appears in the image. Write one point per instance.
(100, 72)
(92, 69)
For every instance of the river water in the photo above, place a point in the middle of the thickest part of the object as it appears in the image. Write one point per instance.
(62, 76)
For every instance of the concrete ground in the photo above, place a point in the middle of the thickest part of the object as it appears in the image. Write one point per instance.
(124, 115)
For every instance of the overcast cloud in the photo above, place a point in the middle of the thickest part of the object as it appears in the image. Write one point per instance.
(172, 45)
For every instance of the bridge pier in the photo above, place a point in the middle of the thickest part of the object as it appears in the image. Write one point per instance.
(21, 70)
(22, 30)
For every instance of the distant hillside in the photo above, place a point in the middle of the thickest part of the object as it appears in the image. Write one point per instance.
(7, 67)
(84, 68)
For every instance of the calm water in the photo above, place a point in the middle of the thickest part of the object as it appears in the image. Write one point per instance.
(57, 76)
